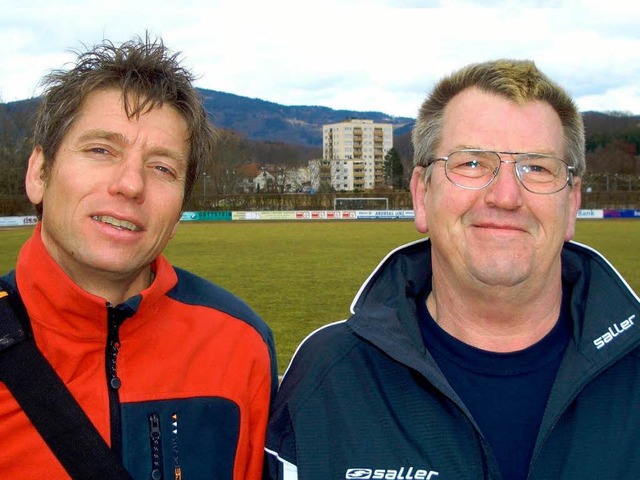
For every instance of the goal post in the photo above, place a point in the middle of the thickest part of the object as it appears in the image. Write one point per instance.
(361, 203)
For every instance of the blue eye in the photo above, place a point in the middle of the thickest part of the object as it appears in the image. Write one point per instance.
(534, 169)
(472, 164)
(165, 171)
(99, 150)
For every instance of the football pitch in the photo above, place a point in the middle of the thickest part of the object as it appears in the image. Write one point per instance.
(299, 276)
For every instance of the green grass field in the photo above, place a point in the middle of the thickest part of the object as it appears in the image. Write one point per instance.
(299, 276)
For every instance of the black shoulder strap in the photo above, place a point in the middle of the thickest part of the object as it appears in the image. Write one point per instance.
(47, 402)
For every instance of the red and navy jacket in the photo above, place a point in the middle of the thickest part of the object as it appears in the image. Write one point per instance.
(178, 379)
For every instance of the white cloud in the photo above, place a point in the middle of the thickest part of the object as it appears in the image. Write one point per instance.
(346, 54)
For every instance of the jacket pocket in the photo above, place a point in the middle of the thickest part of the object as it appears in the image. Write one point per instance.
(193, 438)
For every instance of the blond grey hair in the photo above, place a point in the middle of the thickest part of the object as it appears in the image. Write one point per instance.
(519, 81)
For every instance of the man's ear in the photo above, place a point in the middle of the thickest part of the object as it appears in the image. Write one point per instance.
(574, 200)
(418, 191)
(174, 230)
(34, 182)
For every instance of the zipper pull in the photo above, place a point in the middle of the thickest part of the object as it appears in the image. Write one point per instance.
(155, 437)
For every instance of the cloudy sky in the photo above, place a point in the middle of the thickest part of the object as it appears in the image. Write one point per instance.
(381, 55)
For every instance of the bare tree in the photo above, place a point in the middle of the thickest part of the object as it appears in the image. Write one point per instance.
(224, 171)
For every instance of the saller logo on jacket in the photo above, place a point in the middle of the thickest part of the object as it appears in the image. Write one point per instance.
(613, 332)
(403, 473)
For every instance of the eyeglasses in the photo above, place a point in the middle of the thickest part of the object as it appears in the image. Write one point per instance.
(476, 169)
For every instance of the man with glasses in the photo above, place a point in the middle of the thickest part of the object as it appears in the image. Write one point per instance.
(494, 349)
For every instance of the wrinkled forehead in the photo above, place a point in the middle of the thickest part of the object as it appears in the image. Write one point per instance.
(478, 119)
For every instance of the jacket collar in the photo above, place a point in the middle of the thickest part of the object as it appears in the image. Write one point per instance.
(604, 309)
(52, 298)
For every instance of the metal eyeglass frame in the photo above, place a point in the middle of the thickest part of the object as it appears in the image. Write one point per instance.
(569, 179)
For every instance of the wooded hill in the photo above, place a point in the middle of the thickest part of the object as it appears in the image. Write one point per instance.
(259, 132)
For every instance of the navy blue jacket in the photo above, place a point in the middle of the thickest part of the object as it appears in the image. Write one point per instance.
(363, 398)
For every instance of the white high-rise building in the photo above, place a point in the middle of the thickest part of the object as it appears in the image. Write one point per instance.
(356, 149)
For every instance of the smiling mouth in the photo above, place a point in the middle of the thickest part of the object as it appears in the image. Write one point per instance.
(116, 223)
(500, 227)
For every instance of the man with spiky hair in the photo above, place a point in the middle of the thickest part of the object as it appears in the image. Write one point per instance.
(496, 348)
(175, 373)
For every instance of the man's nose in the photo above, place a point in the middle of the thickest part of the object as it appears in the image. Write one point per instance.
(505, 191)
(129, 178)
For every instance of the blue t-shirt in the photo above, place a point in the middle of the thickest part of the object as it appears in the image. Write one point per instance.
(506, 393)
